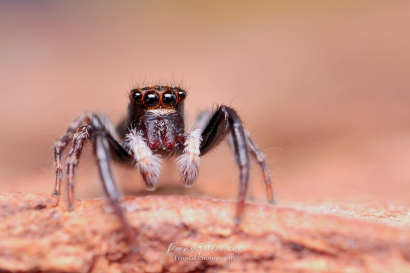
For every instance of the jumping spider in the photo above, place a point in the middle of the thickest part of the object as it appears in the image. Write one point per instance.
(155, 127)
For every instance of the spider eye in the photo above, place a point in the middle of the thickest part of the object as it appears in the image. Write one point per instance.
(151, 99)
(181, 94)
(136, 95)
(169, 98)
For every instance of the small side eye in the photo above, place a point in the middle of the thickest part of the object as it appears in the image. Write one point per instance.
(136, 95)
(169, 98)
(151, 99)
(181, 94)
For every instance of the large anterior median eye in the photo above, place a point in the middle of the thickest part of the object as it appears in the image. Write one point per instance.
(151, 99)
(169, 98)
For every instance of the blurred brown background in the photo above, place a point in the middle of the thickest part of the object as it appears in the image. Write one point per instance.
(322, 85)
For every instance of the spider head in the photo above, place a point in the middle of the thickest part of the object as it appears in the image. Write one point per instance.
(158, 97)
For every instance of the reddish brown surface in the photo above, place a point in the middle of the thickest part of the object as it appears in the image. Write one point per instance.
(323, 87)
(37, 233)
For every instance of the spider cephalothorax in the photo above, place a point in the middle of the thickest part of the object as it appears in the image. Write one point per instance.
(154, 128)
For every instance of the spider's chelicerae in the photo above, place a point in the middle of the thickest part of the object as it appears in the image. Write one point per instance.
(153, 128)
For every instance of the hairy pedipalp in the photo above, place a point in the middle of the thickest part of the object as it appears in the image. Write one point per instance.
(190, 160)
(148, 163)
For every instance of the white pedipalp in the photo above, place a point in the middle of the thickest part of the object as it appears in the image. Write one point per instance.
(148, 163)
(190, 160)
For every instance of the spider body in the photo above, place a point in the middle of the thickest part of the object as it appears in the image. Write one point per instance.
(157, 112)
(154, 128)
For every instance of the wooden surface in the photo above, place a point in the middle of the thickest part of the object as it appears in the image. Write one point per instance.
(38, 234)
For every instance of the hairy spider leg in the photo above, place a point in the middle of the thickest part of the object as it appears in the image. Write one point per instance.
(225, 120)
(261, 161)
(105, 147)
(99, 131)
(80, 136)
(255, 153)
(202, 120)
(119, 154)
(61, 144)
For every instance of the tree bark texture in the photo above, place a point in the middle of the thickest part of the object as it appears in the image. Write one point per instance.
(185, 234)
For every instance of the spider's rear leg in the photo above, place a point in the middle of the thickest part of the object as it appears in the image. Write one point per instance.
(105, 147)
(80, 136)
(61, 144)
(225, 120)
(256, 154)
(261, 161)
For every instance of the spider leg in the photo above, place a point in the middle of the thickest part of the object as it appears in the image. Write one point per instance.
(261, 161)
(225, 120)
(80, 136)
(202, 119)
(61, 144)
(117, 153)
(103, 145)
